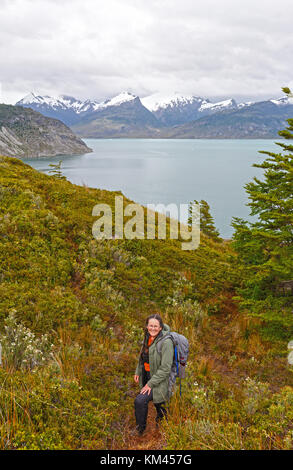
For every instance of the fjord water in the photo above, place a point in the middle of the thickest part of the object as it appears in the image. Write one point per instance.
(170, 171)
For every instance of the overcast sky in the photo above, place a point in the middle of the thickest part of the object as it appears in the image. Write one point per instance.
(98, 48)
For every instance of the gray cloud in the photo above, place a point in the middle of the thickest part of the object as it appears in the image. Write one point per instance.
(93, 49)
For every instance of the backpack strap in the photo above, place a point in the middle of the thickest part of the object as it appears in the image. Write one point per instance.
(176, 359)
(159, 344)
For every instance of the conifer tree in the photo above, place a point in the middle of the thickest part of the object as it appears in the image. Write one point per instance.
(207, 225)
(265, 247)
(56, 170)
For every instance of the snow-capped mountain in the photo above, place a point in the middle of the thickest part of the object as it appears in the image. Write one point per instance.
(65, 108)
(159, 101)
(69, 102)
(284, 101)
(178, 109)
(174, 109)
(256, 120)
(210, 108)
(126, 115)
(69, 109)
(166, 110)
(121, 116)
(62, 102)
(244, 105)
(123, 97)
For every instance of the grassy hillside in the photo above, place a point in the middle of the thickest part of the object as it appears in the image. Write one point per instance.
(73, 389)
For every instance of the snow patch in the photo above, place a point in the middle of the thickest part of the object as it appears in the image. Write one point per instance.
(162, 101)
(244, 105)
(218, 106)
(30, 98)
(285, 100)
(60, 102)
(123, 97)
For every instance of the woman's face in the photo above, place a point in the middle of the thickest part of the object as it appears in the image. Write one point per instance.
(154, 327)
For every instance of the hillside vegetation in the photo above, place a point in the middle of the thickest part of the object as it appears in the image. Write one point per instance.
(71, 318)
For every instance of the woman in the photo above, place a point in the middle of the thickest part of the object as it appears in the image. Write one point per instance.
(153, 371)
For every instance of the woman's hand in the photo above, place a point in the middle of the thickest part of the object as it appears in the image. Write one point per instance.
(136, 379)
(146, 389)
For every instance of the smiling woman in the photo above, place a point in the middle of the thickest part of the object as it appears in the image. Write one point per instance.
(152, 372)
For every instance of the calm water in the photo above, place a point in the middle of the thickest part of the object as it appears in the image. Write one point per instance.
(170, 171)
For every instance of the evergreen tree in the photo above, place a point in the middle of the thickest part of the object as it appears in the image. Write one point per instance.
(56, 170)
(207, 225)
(265, 247)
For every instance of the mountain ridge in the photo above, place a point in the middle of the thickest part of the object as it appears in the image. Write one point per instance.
(160, 116)
(256, 120)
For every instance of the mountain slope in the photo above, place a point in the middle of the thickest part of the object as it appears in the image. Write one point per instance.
(121, 116)
(118, 117)
(258, 120)
(27, 133)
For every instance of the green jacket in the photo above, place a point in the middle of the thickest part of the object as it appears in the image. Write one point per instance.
(160, 368)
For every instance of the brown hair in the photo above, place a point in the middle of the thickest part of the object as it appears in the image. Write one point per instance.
(154, 316)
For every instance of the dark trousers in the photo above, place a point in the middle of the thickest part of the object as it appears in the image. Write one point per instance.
(141, 403)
